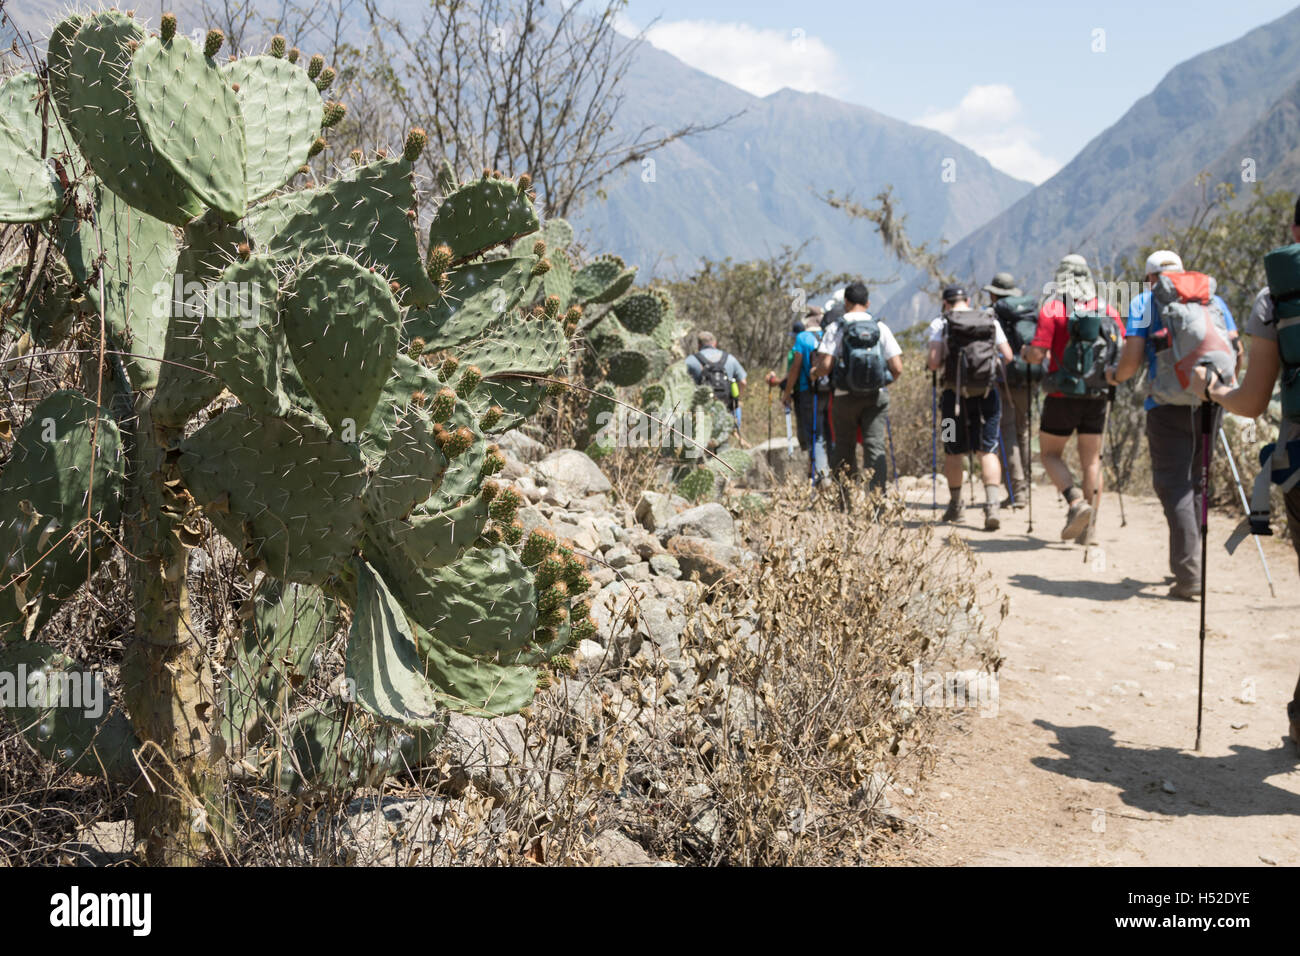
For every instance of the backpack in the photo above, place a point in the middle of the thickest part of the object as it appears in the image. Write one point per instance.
(714, 375)
(1282, 267)
(860, 358)
(1195, 333)
(1018, 316)
(1093, 344)
(972, 363)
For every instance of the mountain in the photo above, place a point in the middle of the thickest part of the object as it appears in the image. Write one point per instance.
(1112, 195)
(753, 186)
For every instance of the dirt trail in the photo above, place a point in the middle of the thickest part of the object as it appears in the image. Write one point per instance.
(1097, 711)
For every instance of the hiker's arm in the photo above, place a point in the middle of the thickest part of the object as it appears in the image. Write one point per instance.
(1034, 355)
(1130, 358)
(791, 377)
(1251, 397)
(934, 360)
(1004, 349)
(821, 366)
(895, 365)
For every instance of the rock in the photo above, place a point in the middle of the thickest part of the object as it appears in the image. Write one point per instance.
(602, 575)
(588, 652)
(620, 557)
(570, 475)
(712, 561)
(614, 849)
(516, 443)
(1168, 787)
(644, 544)
(529, 488)
(579, 529)
(638, 572)
(532, 519)
(396, 831)
(100, 844)
(514, 469)
(711, 521)
(783, 460)
(653, 509)
(665, 565)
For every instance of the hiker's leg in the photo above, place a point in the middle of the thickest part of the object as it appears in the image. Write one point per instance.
(875, 446)
(1090, 459)
(952, 432)
(1292, 499)
(1054, 431)
(1011, 438)
(803, 409)
(844, 428)
(1172, 441)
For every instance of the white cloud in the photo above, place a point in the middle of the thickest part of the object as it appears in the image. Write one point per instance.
(758, 61)
(987, 121)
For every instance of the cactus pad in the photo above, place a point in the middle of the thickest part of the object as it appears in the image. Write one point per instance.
(641, 312)
(19, 108)
(284, 487)
(282, 117)
(476, 295)
(27, 190)
(481, 214)
(242, 336)
(341, 323)
(474, 685)
(602, 280)
(628, 367)
(192, 119)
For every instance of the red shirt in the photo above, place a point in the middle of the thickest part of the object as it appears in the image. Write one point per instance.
(1053, 331)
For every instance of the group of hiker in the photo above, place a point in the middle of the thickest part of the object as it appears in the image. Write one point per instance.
(989, 366)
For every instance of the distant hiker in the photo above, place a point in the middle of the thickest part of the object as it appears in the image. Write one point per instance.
(968, 348)
(1173, 426)
(862, 358)
(1082, 335)
(807, 395)
(1274, 330)
(720, 371)
(1017, 313)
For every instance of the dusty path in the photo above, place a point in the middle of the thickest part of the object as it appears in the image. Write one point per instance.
(1089, 759)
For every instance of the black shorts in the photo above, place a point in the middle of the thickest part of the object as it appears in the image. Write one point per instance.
(1063, 415)
(979, 426)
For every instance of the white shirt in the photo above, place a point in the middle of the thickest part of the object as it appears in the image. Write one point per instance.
(830, 342)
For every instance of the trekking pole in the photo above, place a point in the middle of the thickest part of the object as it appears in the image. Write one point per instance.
(934, 447)
(812, 445)
(1241, 490)
(1006, 472)
(1207, 440)
(1114, 464)
(789, 436)
(889, 431)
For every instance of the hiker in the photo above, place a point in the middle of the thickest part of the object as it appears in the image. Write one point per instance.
(807, 395)
(720, 371)
(1274, 352)
(969, 347)
(1017, 313)
(1172, 423)
(862, 357)
(1081, 334)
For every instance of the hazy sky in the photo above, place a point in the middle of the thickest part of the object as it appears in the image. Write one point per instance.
(1026, 84)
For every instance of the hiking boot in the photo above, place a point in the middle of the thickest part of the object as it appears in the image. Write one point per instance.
(991, 520)
(1076, 522)
(955, 511)
(1020, 491)
(1295, 734)
(1183, 591)
(1088, 536)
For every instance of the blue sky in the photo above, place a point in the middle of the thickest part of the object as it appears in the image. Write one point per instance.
(1025, 84)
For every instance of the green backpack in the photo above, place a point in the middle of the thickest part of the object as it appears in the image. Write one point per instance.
(1282, 267)
(1093, 345)
(1018, 315)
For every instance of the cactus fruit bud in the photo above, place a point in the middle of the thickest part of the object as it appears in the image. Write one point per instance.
(540, 543)
(468, 381)
(212, 42)
(493, 462)
(504, 506)
(490, 418)
(549, 570)
(552, 604)
(556, 387)
(419, 399)
(583, 627)
(235, 87)
(440, 259)
(317, 147)
(489, 490)
(444, 403)
(244, 250)
(574, 314)
(542, 267)
(395, 287)
(133, 45)
(357, 157)
(304, 169)
(326, 79)
(575, 571)
(539, 248)
(293, 55)
(513, 532)
(525, 182)
(315, 65)
(333, 114)
(448, 369)
(563, 665)
(415, 349)
(457, 442)
(551, 307)
(167, 27)
(492, 536)
(416, 140)
(279, 46)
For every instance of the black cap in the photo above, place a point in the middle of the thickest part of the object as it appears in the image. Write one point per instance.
(796, 327)
(954, 292)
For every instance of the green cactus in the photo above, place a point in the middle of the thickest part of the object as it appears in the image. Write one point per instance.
(340, 465)
(696, 484)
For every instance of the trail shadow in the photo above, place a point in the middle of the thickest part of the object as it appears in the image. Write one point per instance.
(1090, 589)
(995, 542)
(1229, 786)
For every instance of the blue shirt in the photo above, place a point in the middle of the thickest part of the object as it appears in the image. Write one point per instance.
(805, 344)
(1144, 321)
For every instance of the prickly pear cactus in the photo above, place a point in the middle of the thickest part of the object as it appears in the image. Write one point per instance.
(357, 380)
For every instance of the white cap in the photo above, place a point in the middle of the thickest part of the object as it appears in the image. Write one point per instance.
(1162, 260)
